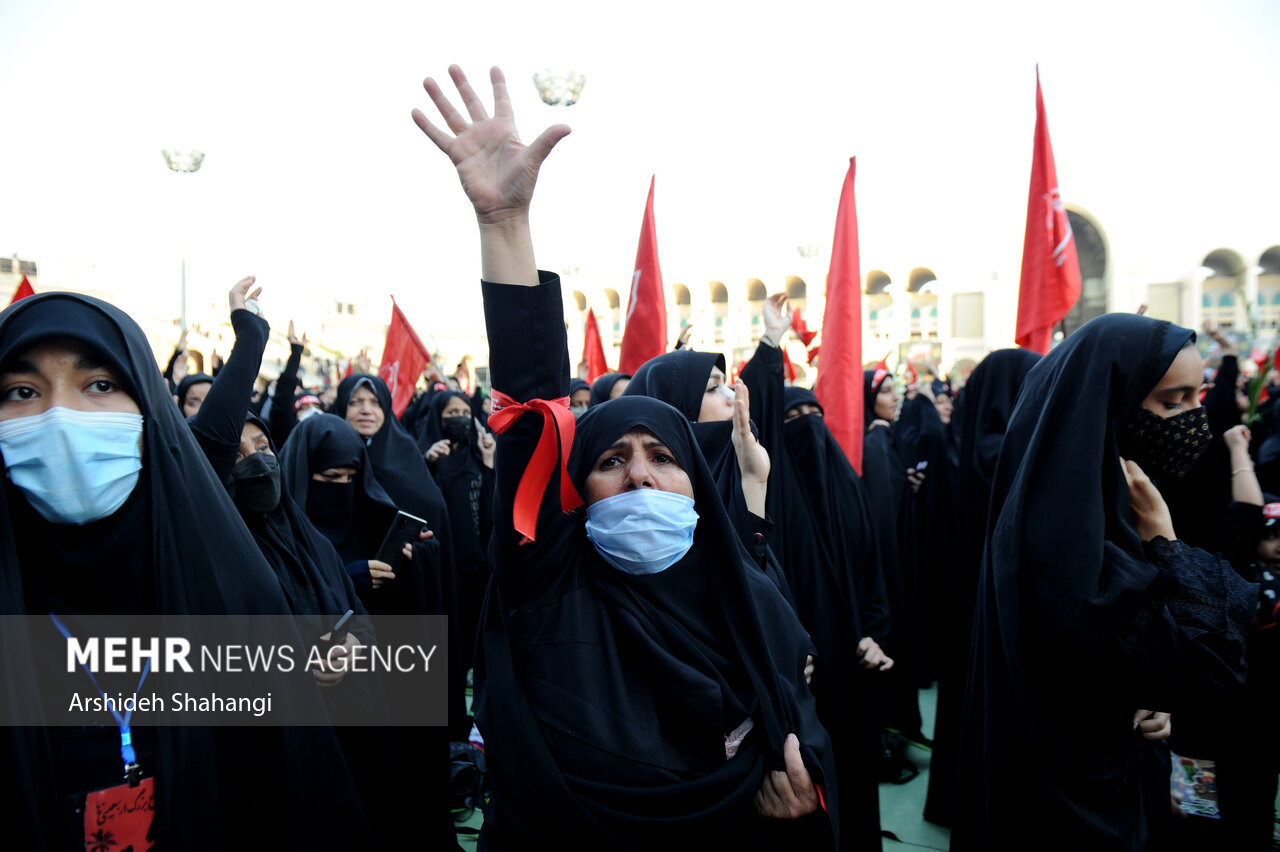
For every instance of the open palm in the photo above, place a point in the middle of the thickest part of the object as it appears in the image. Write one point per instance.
(497, 171)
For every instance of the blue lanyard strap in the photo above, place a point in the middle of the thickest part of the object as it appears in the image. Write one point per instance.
(127, 753)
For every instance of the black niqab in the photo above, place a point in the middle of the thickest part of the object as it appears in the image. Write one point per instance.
(1078, 622)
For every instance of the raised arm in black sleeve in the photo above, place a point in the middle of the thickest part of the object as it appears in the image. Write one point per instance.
(528, 359)
(281, 417)
(220, 420)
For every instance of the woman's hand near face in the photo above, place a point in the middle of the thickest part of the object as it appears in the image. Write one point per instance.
(436, 450)
(753, 459)
(1150, 512)
(488, 447)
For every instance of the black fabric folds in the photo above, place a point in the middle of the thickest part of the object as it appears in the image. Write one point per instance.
(1078, 623)
(981, 415)
(177, 547)
(603, 386)
(616, 692)
(834, 568)
(353, 516)
(891, 506)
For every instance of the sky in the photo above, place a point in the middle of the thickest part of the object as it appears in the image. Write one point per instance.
(317, 181)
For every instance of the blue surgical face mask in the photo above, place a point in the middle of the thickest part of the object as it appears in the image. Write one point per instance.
(74, 467)
(643, 531)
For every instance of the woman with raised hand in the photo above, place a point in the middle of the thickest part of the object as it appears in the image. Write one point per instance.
(640, 682)
(1091, 614)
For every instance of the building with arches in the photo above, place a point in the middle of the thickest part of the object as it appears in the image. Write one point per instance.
(927, 308)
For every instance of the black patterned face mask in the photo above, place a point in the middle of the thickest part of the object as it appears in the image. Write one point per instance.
(1166, 446)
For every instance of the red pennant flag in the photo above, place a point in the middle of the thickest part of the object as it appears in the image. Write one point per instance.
(801, 328)
(644, 335)
(403, 359)
(24, 290)
(788, 368)
(593, 349)
(839, 385)
(1050, 282)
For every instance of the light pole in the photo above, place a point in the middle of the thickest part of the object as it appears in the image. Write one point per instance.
(184, 163)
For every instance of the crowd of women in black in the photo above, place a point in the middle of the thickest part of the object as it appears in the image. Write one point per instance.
(688, 617)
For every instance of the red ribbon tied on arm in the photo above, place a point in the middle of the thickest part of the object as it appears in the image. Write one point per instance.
(552, 451)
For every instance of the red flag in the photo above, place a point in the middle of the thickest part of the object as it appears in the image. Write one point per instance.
(788, 369)
(644, 335)
(1050, 281)
(839, 385)
(801, 328)
(24, 290)
(593, 349)
(403, 359)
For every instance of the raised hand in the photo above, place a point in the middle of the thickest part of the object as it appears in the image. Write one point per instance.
(239, 295)
(497, 171)
(777, 319)
(1150, 512)
(753, 459)
(294, 340)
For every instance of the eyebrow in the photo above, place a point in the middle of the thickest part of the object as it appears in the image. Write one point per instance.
(649, 445)
(1179, 389)
(21, 365)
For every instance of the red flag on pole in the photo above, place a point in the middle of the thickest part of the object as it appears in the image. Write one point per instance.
(403, 359)
(24, 290)
(1050, 281)
(593, 349)
(644, 335)
(839, 385)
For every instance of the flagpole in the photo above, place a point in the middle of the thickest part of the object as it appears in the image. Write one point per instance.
(183, 163)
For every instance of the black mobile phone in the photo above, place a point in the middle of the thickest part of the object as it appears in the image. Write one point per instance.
(337, 633)
(405, 528)
(922, 465)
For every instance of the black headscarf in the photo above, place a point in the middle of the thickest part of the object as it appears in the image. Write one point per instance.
(889, 503)
(304, 560)
(693, 649)
(354, 516)
(576, 385)
(431, 588)
(679, 379)
(397, 462)
(603, 386)
(189, 381)
(176, 547)
(1078, 623)
(461, 476)
(981, 417)
(834, 569)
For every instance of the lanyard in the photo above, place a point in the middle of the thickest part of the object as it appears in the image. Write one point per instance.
(132, 771)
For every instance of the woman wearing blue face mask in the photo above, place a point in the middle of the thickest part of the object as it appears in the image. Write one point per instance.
(638, 679)
(109, 508)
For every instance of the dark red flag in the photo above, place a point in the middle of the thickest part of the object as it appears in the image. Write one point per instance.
(839, 385)
(593, 349)
(24, 290)
(1050, 281)
(801, 328)
(644, 335)
(403, 359)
